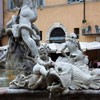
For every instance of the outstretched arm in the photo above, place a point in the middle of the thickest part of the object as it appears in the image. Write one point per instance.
(62, 51)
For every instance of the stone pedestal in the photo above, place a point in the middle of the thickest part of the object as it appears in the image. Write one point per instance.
(24, 94)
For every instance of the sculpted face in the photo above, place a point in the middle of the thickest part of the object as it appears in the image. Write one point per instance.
(43, 55)
(73, 35)
(18, 3)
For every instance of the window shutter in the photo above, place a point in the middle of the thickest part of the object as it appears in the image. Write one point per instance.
(11, 4)
(40, 3)
(1, 15)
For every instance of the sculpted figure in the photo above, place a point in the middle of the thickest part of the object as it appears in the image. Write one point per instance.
(76, 56)
(23, 34)
(73, 47)
(65, 76)
(38, 78)
(58, 77)
(21, 25)
(32, 81)
(44, 62)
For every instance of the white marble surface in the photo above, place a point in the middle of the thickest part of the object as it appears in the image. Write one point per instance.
(6, 90)
(84, 45)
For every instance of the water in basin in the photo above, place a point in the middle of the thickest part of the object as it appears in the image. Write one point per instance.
(6, 76)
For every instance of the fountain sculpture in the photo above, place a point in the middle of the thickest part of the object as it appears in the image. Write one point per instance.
(23, 36)
(60, 76)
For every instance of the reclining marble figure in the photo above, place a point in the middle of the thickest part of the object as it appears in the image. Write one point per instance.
(65, 76)
(60, 77)
(40, 71)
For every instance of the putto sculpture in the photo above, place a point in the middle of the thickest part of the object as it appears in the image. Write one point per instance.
(60, 76)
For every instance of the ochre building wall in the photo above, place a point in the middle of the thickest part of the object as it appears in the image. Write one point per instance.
(70, 15)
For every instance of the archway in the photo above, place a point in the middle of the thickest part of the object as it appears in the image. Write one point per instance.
(57, 33)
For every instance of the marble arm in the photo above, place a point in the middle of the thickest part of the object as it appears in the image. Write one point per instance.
(62, 51)
(11, 22)
(41, 62)
(37, 35)
(35, 28)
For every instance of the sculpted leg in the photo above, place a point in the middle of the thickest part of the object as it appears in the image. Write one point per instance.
(29, 42)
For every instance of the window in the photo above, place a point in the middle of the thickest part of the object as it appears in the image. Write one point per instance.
(41, 3)
(40, 35)
(76, 31)
(1, 15)
(57, 35)
(97, 28)
(87, 29)
(74, 1)
(11, 4)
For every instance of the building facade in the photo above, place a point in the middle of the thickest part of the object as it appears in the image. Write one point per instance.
(75, 15)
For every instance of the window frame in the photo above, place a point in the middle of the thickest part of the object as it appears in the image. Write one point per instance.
(11, 5)
(41, 4)
(74, 1)
(1, 16)
(77, 32)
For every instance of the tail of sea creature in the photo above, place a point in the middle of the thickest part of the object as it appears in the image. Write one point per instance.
(95, 82)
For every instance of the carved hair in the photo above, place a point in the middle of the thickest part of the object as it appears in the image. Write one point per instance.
(73, 35)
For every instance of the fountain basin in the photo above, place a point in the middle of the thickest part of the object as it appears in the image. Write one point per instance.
(25, 94)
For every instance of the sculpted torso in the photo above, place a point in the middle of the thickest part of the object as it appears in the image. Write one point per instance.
(28, 14)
